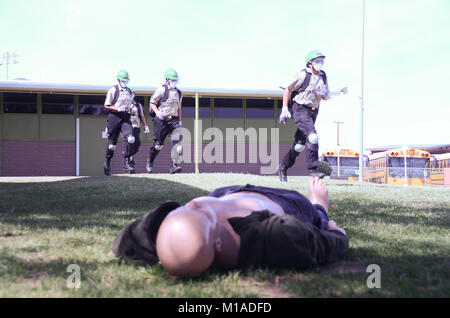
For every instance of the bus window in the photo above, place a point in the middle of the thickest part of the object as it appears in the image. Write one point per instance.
(414, 167)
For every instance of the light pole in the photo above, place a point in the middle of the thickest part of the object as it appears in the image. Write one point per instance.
(404, 149)
(9, 57)
(338, 160)
(361, 157)
(338, 148)
(338, 123)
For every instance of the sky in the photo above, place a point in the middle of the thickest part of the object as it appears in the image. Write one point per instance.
(253, 45)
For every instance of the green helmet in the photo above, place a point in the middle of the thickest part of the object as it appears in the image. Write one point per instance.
(123, 76)
(171, 74)
(312, 55)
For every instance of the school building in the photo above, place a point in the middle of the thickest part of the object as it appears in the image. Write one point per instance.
(56, 130)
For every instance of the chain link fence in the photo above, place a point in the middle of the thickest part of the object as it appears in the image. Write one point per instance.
(394, 175)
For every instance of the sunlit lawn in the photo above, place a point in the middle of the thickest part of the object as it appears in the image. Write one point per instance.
(46, 226)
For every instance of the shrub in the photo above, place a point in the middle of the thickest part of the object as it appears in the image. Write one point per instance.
(325, 167)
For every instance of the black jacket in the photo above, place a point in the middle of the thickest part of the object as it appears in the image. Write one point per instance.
(268, 240)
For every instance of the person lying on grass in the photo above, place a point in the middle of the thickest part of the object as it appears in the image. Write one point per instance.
(236, 227)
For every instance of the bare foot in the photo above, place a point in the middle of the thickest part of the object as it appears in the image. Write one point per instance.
(318, 192)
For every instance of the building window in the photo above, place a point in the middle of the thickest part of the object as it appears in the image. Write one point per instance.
(140, 99)
(57, 104)
(227, 108)
(188, 107)
(260, 108)
(92, 105)
(20, 103)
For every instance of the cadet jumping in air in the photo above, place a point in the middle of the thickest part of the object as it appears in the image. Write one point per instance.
(165, 108)
(305, 92)
(137, 118)
(118, 102)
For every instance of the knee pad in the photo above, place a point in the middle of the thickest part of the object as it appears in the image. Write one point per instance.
(299, 147)
(313, 142)
(111, 147)
(131, 139)
(158, 147)
(313, 138)
(179, 149)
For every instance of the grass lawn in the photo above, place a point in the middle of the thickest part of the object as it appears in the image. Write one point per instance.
(47, 224)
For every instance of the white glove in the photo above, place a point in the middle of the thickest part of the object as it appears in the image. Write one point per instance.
(343, 90)
(285, 115)
(161, 115)
(146, 130)
(179, 124)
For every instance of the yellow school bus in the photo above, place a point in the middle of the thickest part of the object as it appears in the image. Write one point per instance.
(344, 162)
(388, 167)
(437, 165)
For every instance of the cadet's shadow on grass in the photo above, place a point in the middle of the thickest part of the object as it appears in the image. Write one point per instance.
(89, 202)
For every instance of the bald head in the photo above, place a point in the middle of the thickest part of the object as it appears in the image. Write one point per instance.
(185, 243)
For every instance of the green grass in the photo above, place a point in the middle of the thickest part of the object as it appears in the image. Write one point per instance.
(45, 226)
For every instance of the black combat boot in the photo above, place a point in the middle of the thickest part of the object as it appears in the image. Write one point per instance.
(131, 165)
(149, 166)
(107, 167)
(127, 167)
(175, 168)
(316, 173)
(282, 172)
